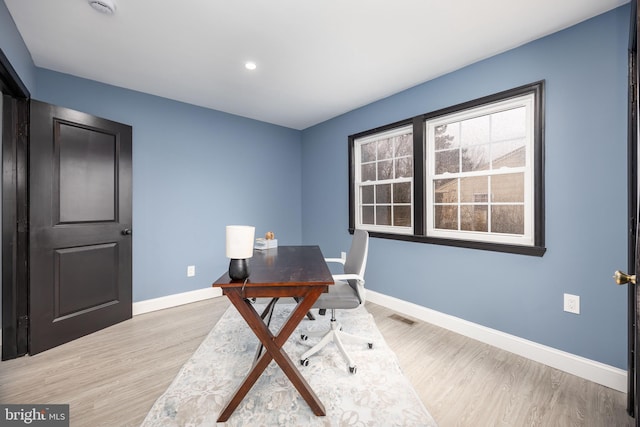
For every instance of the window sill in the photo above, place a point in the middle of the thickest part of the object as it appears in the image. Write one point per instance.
(486, 246)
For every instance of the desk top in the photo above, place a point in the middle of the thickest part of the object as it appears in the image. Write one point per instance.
(283, 266)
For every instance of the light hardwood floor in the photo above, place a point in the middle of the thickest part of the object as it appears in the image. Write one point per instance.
(113, 377)
(464, 382)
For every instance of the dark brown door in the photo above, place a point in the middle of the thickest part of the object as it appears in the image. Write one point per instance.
(634, 220)
(633, 225)
(80, 225)
(634, 217)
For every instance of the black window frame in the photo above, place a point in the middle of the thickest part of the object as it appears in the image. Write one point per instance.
(419, 232)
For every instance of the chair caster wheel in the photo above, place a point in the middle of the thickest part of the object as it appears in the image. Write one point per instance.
(370, 345)
(352, 369)
(303, 337)
(304, 362)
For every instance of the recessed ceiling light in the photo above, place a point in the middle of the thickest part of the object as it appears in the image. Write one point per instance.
(104, 6)
(250, 65)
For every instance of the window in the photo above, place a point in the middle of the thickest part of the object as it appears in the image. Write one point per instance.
(479, 177)
(384, 181)
(470, 175)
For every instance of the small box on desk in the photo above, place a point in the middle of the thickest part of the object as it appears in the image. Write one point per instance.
(266, 244)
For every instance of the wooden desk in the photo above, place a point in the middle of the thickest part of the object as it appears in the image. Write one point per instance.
(287, 271)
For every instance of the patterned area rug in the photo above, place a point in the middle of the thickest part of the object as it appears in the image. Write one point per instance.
(377, 395)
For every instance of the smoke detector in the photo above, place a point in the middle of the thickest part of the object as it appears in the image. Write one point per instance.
(104, 6)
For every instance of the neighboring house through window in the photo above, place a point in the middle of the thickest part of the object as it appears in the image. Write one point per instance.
(470, 175)
(384, 181)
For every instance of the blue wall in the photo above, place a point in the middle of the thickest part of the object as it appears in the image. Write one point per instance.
(585, 69)
(15, 50)
(195, 170)
(187, 177)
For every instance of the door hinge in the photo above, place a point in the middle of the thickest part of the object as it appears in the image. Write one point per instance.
(23, 325)
(21, 130)
(23, 226)
(23, 335)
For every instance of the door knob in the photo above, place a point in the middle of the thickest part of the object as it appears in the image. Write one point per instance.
(126, 232)
(623, 278)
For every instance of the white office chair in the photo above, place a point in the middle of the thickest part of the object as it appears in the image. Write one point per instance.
(346, 293)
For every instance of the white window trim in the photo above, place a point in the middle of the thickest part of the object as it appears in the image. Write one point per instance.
(358, 182)
(528, 238)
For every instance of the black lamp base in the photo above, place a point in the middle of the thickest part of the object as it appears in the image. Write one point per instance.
(239, 269)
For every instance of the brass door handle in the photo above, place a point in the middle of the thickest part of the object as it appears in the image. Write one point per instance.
(623, 278)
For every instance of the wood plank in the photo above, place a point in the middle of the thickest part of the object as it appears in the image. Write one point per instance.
(113, 377)
(464, 382)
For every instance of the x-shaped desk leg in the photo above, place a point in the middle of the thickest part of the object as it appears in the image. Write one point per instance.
(273, 346)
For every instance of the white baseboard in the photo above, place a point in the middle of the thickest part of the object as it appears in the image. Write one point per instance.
(168, 301)
(175, 300)
(591, 370)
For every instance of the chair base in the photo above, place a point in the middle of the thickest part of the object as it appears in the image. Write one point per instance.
(337, 336)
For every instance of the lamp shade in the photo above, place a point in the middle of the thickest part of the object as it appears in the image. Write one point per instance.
(240, 241)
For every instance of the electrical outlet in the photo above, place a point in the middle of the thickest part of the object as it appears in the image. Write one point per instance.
(343, 255)
(572, 303)
(191, 271)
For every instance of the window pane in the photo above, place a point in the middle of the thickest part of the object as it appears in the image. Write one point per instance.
(404, 145)
(509, 124)
(447, 161)
(475, 158)
(367, 215)
(475, 131)
(385, 169)
(507, 219)
(368, 172)
(383, 193)
(404, 167)
(385, 172)
(402, 216)
(446, 217)
(474, 218)
(472, 186)
(383, 215)
(507, 188)
(402, 192)
(445, 190)
(368, 152)
(478, 165)
(447, 136)
(385, 149)
(366, 195)
(510, 154)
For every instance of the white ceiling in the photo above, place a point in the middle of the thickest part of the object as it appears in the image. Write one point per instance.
(316, 58)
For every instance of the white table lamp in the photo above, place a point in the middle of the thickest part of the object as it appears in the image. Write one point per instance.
(239, 250)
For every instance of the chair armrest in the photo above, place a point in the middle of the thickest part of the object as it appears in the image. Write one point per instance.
(338, 260)
(348, 277)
